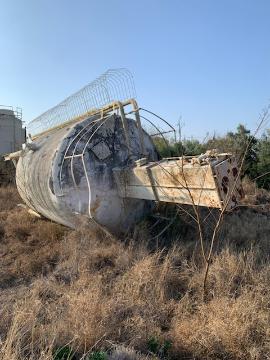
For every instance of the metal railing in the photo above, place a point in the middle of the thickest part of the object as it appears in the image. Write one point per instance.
(113, 85)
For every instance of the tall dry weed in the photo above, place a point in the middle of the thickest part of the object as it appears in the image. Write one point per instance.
(91, 292)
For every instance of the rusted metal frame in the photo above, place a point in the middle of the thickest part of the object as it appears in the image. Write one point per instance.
(218, 189)
(151, 179)
(125, 125)
(139, 125)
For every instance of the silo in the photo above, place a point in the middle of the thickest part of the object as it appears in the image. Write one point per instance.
(12, 134)
(105, 170)
(89, 158)
(66, 174)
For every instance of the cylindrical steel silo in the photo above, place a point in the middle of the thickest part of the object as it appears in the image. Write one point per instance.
(67, 173)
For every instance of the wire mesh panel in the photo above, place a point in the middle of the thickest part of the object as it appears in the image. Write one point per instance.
(113, 85)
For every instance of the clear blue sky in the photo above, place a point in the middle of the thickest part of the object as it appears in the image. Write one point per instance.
(208, 61)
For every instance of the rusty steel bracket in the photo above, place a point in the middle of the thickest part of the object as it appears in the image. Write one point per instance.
(125, 125)
(139, 125)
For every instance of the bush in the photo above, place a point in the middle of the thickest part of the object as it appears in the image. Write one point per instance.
(257, 159)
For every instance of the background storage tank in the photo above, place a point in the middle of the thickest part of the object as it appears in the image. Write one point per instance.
(12, 134)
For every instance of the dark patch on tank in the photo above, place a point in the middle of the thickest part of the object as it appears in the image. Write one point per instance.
(112, 136)
(51, 185)
(224, 184)
(234, 199)
(76, 138)
(65, 175)
(234, 171)
(78, 170)
(100, 171)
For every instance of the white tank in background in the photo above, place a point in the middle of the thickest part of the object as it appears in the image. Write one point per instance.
(12, 133)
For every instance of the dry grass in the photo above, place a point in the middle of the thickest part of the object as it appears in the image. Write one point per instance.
(7, 172)
(81, 288)
(9, 198)
(254, 195)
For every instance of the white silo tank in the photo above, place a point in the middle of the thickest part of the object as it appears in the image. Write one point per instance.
(67, 173)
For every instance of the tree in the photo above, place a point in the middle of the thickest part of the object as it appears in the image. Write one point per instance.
(263, 165)
(165, 148)
(239, 143)
(193, 147)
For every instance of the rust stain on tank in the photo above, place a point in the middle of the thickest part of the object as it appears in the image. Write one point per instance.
(234, 171)
(95, 206)
(225, 183)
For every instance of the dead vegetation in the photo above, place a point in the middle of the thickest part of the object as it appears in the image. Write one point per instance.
(132, 299)
(7, 172)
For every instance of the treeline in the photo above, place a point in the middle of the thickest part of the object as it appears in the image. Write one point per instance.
(254, 150)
